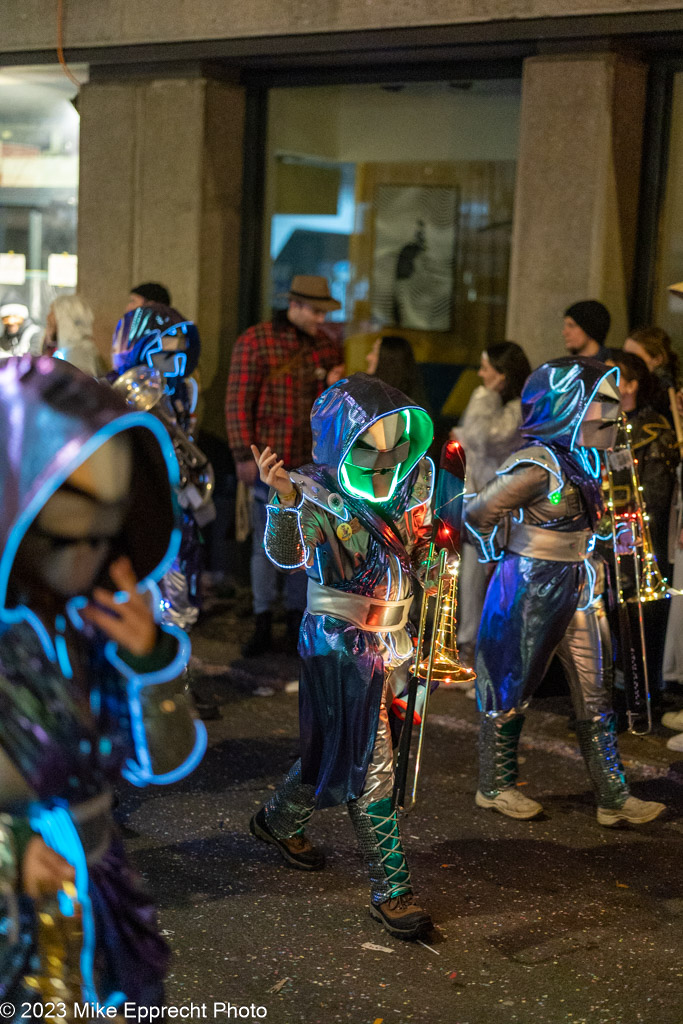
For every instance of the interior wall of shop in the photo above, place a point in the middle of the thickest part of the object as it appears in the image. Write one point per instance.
(160, 199)
(126, 22)
(425, 133)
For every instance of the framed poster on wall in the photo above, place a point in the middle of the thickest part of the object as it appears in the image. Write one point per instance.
(414, 253)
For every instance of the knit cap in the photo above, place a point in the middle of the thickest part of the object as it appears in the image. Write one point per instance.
(592, 317)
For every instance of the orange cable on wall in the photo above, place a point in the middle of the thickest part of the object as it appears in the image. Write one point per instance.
(60, 48)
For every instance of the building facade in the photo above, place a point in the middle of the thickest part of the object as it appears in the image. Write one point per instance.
(528, 149)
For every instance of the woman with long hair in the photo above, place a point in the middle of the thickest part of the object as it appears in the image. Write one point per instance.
(391, 359)
(489, 432)
(653, 346)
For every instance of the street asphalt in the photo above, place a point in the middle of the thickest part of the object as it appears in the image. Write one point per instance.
(553, 921)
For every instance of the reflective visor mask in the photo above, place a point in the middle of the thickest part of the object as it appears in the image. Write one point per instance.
(600, 422)
(378, 460)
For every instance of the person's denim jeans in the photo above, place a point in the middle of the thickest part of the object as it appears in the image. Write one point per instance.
(263, 573)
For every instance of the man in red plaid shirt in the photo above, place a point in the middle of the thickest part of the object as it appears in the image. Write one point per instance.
(278, 369)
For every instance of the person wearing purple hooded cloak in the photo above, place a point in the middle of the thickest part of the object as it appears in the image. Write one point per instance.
(545, 504)
(359, 521)
(89, 683)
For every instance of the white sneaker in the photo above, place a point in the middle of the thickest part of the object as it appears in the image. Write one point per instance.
(634, 811)
(673, 720)
(675, 743)
(510, 802)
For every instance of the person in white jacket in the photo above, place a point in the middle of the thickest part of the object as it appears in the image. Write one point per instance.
(489, 432)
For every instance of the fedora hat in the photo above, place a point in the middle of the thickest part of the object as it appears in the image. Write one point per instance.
(314, 291)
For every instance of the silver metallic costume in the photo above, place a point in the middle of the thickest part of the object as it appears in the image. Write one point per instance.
(360, 527)
(544, 596)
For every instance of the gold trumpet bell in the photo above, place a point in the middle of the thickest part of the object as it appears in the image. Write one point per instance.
(447, 669)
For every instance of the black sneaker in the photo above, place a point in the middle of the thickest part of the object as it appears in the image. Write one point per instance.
(261, 640)
(401, 917)
(297, 851)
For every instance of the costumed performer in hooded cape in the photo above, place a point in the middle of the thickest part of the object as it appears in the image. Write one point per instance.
(358, 520)
(546, 504)
(88, 682)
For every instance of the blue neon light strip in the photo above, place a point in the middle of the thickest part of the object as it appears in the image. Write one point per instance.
(613, 370)
(591, 577)
(553, 471)
(58, 831)
(486, 545)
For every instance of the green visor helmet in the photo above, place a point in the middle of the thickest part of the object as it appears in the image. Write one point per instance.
(383, 455)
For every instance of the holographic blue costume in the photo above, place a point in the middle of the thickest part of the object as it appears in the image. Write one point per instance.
(362, 554)
(538, 519)
(76, 711)
(159, 337)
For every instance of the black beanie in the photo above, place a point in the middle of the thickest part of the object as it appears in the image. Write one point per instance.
(152, 292)
(592, 317)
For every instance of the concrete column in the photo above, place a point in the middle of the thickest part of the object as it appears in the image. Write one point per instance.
(160, 198)
(576, 195)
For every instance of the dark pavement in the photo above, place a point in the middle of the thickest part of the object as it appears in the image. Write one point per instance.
(550, 921)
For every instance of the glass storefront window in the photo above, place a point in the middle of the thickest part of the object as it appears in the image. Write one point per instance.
(402, 196)
(38, 185)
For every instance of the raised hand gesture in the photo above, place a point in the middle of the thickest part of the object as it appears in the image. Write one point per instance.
(271, 472)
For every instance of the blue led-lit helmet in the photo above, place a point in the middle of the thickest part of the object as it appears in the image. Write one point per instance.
(572, 402)
(156, 336)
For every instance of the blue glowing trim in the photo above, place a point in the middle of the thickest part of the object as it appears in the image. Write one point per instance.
(141, 773)
(486, 546)
(591, 577)
(432, 484)
(278, 510)
(585, 456)
(180, 365)
(63, 657)
(613, 370)
(569, 378)
(554, 472)
(58, 354)
(193, 397)
(520, 519)
(349, 487)
(48, 488)
(57, 829)
(366, 427)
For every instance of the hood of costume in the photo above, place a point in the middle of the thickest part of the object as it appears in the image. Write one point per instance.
(340, 420)
(557, 396)
(156, 336)
(52, 418)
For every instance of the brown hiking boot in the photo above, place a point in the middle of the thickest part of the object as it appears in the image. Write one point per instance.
(297, 851)
(401, 917)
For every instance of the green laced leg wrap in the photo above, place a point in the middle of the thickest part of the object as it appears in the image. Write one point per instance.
(498, 742)
(380, 842)
(598, 745)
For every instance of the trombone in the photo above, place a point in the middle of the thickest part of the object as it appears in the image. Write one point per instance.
(440, 662)
(633, 524)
